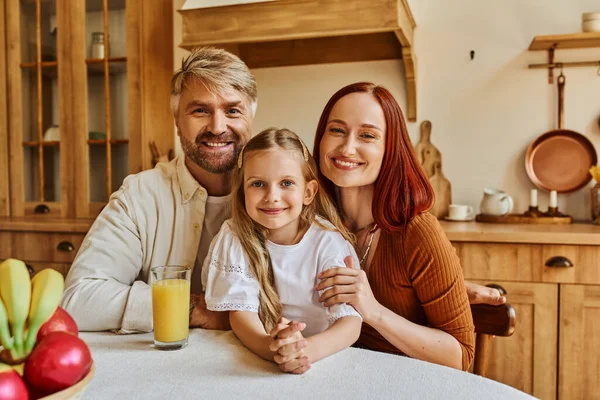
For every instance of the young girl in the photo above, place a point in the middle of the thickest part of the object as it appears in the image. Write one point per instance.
(263, 264)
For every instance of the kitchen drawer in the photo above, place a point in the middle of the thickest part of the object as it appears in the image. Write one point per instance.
(38, 266)
(5, 245)
(46, 247)
(527, 262)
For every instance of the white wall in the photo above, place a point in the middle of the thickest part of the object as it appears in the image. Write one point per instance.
(484, 112)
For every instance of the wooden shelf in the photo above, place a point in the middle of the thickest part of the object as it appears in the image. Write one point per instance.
(103, 142)
(550, 43)
(110, 60)
(569, 41)
(33, 64)
(53, 143)
(45, 143)
(116, 65)
(303, 32)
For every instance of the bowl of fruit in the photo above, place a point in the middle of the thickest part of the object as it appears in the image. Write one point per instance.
(41, 354)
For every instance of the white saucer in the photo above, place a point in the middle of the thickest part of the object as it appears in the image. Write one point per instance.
(459, 220)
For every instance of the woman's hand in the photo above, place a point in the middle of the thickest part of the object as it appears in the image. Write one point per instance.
(288, 344)
(351, 286)
(479, 294)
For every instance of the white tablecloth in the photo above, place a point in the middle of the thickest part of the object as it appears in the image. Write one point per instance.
(215, 365)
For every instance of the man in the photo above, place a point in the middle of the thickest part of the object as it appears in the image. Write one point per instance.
(169, 215)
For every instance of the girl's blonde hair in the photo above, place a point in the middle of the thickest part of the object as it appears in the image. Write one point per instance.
(252, 235)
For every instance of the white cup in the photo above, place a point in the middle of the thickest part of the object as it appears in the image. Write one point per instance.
(460, 211)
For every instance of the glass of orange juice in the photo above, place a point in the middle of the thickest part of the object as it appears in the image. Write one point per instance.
(171, 306)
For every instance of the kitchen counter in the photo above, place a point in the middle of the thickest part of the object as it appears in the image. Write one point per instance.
(576, 234)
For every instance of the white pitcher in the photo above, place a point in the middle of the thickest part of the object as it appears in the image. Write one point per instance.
(495, 202)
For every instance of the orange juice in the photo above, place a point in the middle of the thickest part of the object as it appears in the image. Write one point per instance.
(170, 309)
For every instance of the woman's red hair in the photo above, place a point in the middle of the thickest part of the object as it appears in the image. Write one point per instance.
(402, 189)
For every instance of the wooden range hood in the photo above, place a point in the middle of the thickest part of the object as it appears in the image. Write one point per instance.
(301, 32)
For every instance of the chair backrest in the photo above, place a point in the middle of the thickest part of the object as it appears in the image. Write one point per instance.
(490, 321)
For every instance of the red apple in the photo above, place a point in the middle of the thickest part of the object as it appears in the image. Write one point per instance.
(57, 362)
(60, 321)
(12, 386)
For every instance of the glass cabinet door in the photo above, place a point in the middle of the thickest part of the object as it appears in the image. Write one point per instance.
(34, 108)
(107, 98)
(88, 89)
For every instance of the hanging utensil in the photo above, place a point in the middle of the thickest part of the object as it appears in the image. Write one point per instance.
(560, 159)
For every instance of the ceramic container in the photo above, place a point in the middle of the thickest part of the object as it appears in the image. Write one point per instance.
(590, 22)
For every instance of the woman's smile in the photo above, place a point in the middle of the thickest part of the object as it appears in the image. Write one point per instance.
(345, 163)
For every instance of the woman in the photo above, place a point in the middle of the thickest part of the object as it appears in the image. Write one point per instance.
(410, 289)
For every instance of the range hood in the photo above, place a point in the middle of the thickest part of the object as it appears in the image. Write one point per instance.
(277, 33)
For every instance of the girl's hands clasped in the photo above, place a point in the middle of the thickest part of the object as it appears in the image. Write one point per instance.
(348, 285)
(289, 344)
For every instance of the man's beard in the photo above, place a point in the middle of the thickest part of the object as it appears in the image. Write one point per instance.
(216, 164)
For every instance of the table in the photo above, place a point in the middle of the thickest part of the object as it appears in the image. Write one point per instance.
(215, 365)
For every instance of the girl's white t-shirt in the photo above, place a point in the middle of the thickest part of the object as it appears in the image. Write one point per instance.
(230, 284)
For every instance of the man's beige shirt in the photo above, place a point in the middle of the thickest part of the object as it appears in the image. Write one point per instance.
(155, 218)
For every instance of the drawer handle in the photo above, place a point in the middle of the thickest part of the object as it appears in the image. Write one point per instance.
(67, 247)
(498, 287)
(41, 209)
(559, 262)
(31, 270)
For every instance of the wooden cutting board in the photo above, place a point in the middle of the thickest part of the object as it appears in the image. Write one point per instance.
(427, 154)
(430, 159)
(443, 192)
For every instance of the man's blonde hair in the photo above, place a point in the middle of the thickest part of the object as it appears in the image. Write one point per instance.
(218, 70)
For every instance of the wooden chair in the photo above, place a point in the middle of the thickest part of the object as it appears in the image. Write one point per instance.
(490, 321)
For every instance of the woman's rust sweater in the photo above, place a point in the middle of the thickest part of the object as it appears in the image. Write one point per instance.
(417, 275)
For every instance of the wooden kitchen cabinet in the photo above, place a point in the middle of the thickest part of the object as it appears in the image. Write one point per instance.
(46, 244)
(552, 277)
(81, 120)
(579, 350)
(522, 360)
(74, 122)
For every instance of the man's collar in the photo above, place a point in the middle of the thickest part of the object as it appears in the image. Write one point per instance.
(187, 183)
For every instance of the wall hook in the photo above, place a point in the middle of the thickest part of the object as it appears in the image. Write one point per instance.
(472, 53)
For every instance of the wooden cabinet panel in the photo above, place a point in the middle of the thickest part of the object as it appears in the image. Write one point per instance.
(527, 262)
(579, 369)
(527, 359)
(585, 264)
(46, 247)
(5, 245)
(503, 261)
(38, 266)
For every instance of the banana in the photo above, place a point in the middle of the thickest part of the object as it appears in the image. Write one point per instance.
(5, 339)
(19, 369)
(46, 290)
(15, 292)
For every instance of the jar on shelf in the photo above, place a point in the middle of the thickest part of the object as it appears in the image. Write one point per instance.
(596, 203)
(97, 44)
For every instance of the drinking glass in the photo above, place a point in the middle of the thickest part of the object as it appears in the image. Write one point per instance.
(171, 306)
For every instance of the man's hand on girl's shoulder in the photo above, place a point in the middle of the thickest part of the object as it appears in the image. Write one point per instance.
(200, 317)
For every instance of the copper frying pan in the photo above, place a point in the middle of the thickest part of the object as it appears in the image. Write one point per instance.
(560, 159)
